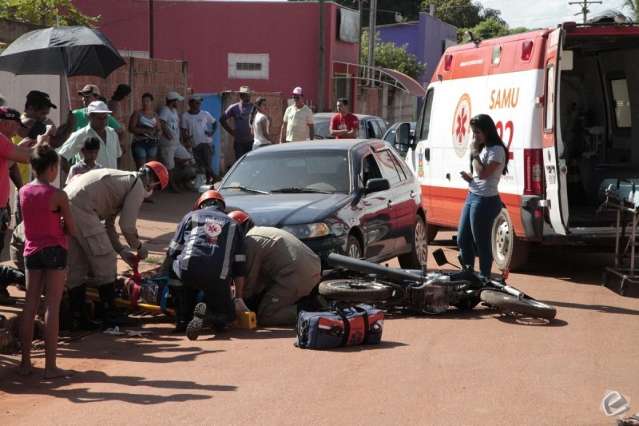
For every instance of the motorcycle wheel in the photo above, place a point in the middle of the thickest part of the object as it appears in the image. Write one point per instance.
(354, 290)
(508, 303)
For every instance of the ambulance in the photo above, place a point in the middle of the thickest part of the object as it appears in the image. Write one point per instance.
(565, 101)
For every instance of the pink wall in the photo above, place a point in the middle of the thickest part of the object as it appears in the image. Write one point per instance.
(202, 33)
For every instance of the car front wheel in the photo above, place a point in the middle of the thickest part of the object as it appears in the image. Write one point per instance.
(418, 256)
(354, 248)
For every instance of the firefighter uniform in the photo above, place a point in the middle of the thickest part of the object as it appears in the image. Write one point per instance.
(280, 270)
(96, 198)
(207, 253)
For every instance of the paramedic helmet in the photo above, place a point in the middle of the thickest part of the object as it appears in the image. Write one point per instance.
(153, 173)
(210, 198)
(243, 219)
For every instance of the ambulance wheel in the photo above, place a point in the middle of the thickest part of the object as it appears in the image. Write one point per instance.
(418, 256)
(355, 290)
(509, 252)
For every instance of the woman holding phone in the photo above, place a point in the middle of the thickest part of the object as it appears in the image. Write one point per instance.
(489, 160)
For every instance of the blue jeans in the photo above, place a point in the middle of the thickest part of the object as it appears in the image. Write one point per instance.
(474, 232)
(144, 150)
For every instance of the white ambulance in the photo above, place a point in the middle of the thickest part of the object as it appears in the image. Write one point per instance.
(565, 101)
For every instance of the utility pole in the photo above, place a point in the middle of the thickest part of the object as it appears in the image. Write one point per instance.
(151, 29)
(584, 7)
(372, 31)
(322, 60)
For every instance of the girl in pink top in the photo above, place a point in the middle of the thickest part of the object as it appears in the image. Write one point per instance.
(47, 222)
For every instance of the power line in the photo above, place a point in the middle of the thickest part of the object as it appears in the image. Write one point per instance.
(584, 7)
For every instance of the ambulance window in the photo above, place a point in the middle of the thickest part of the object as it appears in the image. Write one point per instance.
(425, 118)
(621, 103)
(550, 98)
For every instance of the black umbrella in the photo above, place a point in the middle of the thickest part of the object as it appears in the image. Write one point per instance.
(65, 51)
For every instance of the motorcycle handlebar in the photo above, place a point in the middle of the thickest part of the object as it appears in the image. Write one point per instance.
(366, 267)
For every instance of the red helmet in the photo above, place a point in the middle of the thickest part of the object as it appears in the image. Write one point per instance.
(209, 195)
(161, 173)
(239, 216)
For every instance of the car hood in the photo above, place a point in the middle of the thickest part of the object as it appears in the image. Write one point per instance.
(286, 209)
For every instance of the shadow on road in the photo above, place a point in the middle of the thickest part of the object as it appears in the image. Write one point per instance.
(384, 344)
(62, 388)
(605, 309)
(134, 349)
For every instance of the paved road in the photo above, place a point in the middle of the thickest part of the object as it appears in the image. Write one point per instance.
(475, 368)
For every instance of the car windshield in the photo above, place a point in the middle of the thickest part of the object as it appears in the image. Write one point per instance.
(312, 171)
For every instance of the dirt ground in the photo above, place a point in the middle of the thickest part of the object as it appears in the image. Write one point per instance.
(472, 369)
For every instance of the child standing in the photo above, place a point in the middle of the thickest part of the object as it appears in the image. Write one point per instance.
(89, 152)
(47, 221)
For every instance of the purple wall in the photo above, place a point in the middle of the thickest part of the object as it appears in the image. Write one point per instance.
(425, 39)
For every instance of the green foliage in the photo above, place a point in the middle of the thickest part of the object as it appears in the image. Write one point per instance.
(633, 5)
(489, 28)
(389, 55)
(45, 12)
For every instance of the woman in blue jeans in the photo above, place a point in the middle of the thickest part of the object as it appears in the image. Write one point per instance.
(145, 127)
(489, 159)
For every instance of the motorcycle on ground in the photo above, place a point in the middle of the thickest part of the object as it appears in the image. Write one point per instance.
(360, 281)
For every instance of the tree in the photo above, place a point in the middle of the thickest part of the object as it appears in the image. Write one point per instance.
(489, 28)
(633, 5)
(45, 12)
(387, 10)
(389, 55)
(462, 13)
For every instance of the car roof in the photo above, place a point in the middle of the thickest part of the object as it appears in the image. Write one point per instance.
(322, 144)
(331, 114)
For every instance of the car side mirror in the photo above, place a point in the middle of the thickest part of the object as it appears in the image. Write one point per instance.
(403, 140)
(376, 185)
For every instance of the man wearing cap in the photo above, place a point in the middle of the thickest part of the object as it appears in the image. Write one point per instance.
(170, 135)
(36, 122)
(9, 123)
(110, 149)
(298, 122)
(198, 127)
(240, 112)
(96, 199)
(91, 93)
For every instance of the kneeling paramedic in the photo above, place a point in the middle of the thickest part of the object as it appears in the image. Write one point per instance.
(96, 199)
(207, 254)
(280, 270)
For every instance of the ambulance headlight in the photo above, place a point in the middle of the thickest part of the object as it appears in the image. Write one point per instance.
(308, 230)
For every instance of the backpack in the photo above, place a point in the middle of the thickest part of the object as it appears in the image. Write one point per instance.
(355, 325)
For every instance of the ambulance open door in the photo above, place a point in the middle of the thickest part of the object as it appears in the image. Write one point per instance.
(555, 169)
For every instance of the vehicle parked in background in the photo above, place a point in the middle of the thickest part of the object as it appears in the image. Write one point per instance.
(350, 196)
(370, 126)
(391, 136)
(562, 100)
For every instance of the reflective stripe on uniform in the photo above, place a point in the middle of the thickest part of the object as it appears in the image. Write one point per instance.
(240, 258)
(227, 250)
(188, 250)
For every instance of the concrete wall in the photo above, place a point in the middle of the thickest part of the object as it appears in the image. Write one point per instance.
(204, 33)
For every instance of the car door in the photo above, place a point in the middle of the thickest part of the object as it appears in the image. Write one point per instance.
(374, 211)
(400, 204)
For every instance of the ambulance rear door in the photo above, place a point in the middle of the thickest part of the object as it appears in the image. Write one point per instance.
(555, 169)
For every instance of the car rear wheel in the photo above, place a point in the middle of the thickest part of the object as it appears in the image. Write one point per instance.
(354, 248)
(418, 256)
(509, 252)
